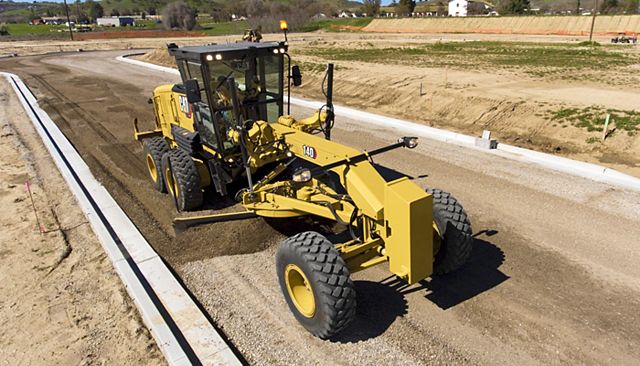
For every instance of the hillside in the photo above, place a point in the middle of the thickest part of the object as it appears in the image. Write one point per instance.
(19, 11)
(23, 11)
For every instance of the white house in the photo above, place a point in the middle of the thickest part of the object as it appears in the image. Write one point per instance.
(347, 14)
(458, 8)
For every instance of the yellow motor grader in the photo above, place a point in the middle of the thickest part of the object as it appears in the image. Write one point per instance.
(225, 124)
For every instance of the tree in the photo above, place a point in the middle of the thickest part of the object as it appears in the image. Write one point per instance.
(515, 7)
(609, 6)
(115, 12)
(96, 11)
(405, 7)
(631, 6)
(179, 15)
(219, 13)
(476, 8)
(371, 7)
(256, 8)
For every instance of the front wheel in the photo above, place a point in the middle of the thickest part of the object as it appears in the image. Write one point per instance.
(316, 284)
(453, 238)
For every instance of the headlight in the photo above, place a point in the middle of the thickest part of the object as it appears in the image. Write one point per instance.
(302, 175)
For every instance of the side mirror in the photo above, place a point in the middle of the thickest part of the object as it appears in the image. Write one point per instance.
(296, 75)
(193, 91)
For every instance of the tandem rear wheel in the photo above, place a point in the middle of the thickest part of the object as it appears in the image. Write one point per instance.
(182, 180)
(154, 148)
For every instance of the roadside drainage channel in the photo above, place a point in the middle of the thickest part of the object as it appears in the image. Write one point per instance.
(182, 331)
(578, 168)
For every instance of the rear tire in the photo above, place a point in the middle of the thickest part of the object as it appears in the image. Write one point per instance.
(456, 237)
(182, 180)
(154, 148)
(316, 284)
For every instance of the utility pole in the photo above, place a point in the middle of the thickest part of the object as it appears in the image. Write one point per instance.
(593, 20)
(66, 9)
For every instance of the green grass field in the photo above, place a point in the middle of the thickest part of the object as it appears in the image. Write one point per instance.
(18, 30)
(535, 59)
(223, 29)
(593, 118)
(206, 26)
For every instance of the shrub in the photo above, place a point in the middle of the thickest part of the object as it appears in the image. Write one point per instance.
(179, 15)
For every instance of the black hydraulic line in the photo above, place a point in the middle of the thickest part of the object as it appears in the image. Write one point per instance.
(288, 84)
(329, 103)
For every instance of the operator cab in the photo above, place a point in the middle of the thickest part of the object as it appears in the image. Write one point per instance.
(257, 69)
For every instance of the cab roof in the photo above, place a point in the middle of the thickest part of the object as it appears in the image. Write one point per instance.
(229, 50)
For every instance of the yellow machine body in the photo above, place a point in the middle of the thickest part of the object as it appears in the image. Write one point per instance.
(395, 218)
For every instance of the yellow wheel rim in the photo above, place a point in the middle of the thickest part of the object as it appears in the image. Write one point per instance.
(300, 290)
(153, 170)
(172, 185)
(437, 239)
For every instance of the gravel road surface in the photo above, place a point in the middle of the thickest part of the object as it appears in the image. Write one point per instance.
(553, 278)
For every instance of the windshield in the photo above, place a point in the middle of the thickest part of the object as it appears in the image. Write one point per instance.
(258, 82)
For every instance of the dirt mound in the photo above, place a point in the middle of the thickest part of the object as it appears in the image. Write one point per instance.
(509, 25)
(449, 103)
(159, 56)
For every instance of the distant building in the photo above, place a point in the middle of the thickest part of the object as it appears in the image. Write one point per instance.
(347, 14)
(116, 22)
(460, 8)
(57, 20)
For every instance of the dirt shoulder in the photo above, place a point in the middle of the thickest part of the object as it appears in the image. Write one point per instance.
(61, 302)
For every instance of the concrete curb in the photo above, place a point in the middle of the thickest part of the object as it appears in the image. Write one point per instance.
(183, 333)
(578, 168)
